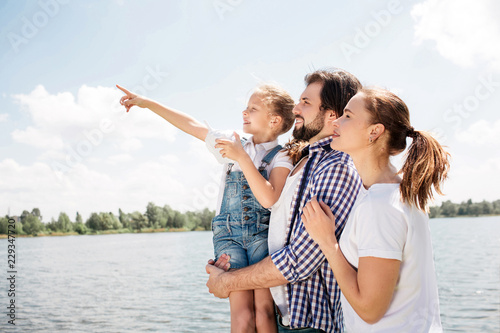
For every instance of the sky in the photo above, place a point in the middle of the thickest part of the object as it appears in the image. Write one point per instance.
(66, 145)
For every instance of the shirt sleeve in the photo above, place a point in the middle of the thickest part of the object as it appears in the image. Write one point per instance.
(213, 135)
(336, 185)
(282, 160)
(381, 232)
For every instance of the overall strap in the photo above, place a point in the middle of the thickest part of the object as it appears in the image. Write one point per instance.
(230, 165)
(269, 157)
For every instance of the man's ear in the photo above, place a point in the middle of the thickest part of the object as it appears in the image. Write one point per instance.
(330, 116)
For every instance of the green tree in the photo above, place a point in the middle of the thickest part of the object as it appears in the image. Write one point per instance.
(32, 225)
(206, 216)
(64, 223)
(4, 222)
(179, 220)
(94, 222)
(154, 215)
(24, 215)
(193, 220)
(80, 228)
(52, 225)
(36, 212)
(124, 219)
(138, 221)
(496, 207)
(448, 209)
(169, 216)
(434, 212)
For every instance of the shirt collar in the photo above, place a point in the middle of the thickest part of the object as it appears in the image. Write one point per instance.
(323, 144)
(262, 146)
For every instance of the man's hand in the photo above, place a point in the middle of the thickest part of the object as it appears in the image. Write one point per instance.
(215, 283)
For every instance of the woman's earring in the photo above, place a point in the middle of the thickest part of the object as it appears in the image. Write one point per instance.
(371, 140)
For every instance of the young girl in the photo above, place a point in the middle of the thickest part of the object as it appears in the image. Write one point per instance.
(383, 262)
(254, 177)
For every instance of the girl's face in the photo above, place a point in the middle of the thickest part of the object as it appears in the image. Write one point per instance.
(352, 130)
(257, 116)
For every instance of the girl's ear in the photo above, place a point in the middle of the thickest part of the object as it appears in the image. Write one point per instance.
(275, 121)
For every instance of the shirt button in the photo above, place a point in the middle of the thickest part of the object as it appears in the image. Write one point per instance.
(245, 197)
(245, 187)
(246, 218)
(245, 209)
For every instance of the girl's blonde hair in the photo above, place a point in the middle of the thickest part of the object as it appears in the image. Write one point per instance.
(280, 103)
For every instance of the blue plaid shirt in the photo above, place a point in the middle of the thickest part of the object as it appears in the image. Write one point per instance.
(313, 292)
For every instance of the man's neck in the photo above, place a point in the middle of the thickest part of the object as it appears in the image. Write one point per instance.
(316, 138)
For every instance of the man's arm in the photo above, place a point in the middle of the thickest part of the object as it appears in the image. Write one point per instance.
(337, 185)
(258, 276)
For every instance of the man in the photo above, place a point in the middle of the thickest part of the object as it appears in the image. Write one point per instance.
(312, 292)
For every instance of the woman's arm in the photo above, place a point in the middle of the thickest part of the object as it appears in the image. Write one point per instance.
(369, 290)
(267, 192)
(182, 121)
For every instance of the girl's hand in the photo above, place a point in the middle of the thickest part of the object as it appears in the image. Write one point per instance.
(231, 149)
(130, 99)
(319, 222)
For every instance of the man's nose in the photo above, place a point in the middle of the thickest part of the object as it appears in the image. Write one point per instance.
(296, 109)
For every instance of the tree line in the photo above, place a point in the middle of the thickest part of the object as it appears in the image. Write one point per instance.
(155, 217)
(465, 208)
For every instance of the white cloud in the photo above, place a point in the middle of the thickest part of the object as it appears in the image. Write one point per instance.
(464, 31)
(3, 117)
(38, 138)
(93, 189)
(473, 177)
(481, 133)
(61, 121)
(119, 159)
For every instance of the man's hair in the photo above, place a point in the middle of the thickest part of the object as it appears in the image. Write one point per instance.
(338, 88)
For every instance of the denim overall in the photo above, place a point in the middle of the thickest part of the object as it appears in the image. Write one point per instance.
(240, 229)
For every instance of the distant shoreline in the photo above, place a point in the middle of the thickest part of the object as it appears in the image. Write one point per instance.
(105, 232)
(148, 231)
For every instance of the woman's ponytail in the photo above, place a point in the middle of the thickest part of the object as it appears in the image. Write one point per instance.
(426, 165)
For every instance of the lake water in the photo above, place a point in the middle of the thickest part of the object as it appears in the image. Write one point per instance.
(156, 282)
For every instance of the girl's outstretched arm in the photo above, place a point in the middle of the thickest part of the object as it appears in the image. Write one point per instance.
(267, 192)
(182, 121)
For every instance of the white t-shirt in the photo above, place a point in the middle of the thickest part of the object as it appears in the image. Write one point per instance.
(381, 225)
(256, 153)
(278, 224)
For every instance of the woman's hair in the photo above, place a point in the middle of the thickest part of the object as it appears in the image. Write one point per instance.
(280, 103)
(426, 163)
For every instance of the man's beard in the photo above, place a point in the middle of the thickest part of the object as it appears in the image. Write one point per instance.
(306, 132)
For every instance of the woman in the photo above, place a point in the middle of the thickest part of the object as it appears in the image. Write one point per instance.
(383, 262)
